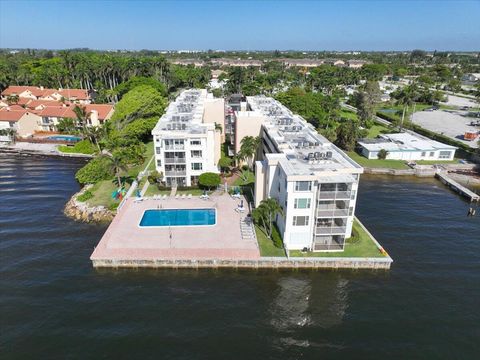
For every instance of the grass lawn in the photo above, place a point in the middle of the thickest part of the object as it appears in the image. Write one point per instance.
(436, 162)
(102, 194)
(376, 163)
(194, 192)
(249, 179)
(359, 245)
(133, 171)
(348, 114)
(153, 190)
(266, 245)
(399, 109)
(376, 130)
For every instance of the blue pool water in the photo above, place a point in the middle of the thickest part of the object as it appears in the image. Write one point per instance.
(64, 138)
(178, 217)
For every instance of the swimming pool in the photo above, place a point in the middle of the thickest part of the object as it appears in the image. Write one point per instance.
(178, 217)
(65, 138)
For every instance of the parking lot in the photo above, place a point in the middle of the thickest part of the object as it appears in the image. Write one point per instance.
(451, 123)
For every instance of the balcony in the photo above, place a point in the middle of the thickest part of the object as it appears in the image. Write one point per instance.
(176, 160)
(332, 212)
(174, 147)
(326, 230)
(176, 173)
(325, 195)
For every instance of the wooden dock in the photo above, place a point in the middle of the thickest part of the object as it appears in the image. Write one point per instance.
(455, 186)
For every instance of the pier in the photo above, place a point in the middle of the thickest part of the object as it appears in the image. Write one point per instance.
(455, 186)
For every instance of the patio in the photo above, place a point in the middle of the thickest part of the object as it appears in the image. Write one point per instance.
(125, 240)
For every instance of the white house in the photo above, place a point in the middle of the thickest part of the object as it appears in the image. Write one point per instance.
(406, 146)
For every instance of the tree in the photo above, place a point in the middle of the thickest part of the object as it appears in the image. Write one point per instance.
(347, 135)
(248, 149)
(66, 125)
(209, 180)
(116, 163)
(382, 154)
(265, 214)
(366, 100)
(135, 81)
(224, 163)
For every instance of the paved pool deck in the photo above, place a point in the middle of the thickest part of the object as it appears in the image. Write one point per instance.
(125, 241)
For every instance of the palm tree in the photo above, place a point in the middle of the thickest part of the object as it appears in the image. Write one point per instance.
(116, 164)
(248, 149)
(266, 212)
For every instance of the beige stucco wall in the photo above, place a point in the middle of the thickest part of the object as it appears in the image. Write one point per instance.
(247, 123)
(28, 124)
(214, 112)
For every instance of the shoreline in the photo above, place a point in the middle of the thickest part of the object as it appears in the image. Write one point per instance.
(41, 152)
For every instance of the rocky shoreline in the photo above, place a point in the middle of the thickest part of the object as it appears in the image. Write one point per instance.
(80, 211)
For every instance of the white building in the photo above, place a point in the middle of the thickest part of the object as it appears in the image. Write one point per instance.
(406, 146)
(186, 140)
(314, 182)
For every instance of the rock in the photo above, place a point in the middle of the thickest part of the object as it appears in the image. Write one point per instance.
(80, 211)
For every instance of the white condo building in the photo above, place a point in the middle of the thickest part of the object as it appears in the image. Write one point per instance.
(186, 141)
(314, 181)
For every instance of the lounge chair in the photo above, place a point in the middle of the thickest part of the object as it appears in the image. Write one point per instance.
(184, 196)
(164, 196)
(189, 196)
(177, 196)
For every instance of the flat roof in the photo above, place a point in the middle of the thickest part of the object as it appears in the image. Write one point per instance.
(184, 115)
(306, 151)
(403, 142)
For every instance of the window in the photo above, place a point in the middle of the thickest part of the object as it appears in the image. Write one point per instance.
(300, 221)
(303, 186)
(353, 193)
(196, 153)
(157, 149)
(445, 155)
(302, 203)
(159, 162)
(196, 166)
(432, 153)
(195, 142)
(424, 153)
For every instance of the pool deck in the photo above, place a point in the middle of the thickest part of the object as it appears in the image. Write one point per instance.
(125, 242)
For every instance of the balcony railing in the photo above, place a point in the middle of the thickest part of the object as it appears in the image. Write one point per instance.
(176, 160)
(321, 230)
(174, 147)
(332, 212)
(176, 173)
(334, 195)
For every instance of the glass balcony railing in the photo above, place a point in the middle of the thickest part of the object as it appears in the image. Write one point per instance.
(334, 195)
(174, 147)
(322, 230)
(332, 212)
(176, 160)
(176, 173)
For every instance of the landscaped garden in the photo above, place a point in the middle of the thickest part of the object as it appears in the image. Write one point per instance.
(359, 245)
(377, 163)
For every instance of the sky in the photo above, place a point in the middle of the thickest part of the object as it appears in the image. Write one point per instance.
(241, 25)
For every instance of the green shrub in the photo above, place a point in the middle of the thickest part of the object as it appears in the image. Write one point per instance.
(113, 206)
(154, 177)
(85, 196)
(276, 237)
(96, 170)
(209, 180)
(81, 147)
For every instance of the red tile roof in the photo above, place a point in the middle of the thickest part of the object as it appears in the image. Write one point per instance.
(77, 94)
(56, 111)
(9, 114)
(102, 109)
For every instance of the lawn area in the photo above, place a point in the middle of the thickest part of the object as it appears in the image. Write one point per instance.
(102, 194)
(435, 162)
(133, 171)
(359, 245)
(81, 147)
(377, 163)
(249, 178)
(266, 245)
(348, 114)
(397, 114)
(153, 190)
(376, 130)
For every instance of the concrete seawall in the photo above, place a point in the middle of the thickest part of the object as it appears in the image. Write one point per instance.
(263, 263)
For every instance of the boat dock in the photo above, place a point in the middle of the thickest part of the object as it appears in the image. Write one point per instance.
(455, 186)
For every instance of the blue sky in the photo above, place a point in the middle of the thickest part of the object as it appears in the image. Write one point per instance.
(243, 25)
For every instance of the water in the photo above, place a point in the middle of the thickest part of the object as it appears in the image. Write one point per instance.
(64, 138)
(178, 217)
(54, 305)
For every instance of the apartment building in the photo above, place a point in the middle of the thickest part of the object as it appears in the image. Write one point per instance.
(314, 181)
(187, 137)
(79, 96)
